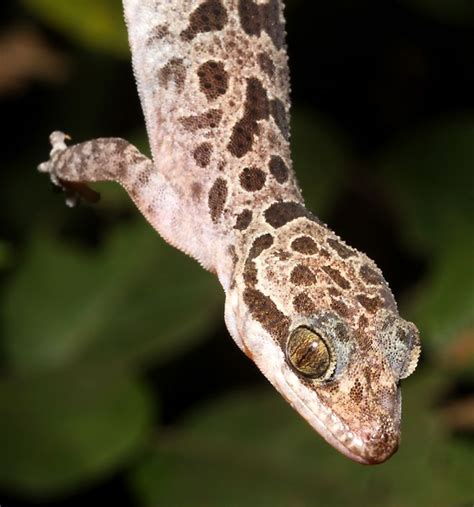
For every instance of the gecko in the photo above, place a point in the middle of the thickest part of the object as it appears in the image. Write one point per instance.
(315, 315)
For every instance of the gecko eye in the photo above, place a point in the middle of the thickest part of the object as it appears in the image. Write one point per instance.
(309, 354)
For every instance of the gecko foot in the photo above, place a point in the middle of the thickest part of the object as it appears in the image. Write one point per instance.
(74, 190)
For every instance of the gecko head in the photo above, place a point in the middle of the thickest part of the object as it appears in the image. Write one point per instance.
(347, 381)
(319, 320)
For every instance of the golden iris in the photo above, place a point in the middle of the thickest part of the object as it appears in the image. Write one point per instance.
(309, 354)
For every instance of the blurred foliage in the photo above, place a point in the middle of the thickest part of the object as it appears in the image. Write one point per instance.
(101, 23)
(65, 427)
(433, 191)
(92, 291)
(5, 255)
(309, 131)
(253, 451)
(459, 11)
(96, 309)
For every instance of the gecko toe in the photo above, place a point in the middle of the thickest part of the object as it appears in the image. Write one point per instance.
(76, 191)
(58, 142)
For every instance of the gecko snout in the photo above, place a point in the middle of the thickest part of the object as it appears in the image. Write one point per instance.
(380, 444)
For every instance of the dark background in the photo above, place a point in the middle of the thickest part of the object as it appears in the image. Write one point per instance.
(119, 382)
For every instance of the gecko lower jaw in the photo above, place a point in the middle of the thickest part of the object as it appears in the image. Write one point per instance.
(373, 447)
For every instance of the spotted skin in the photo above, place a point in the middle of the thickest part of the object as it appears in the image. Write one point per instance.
(213, 81)
(202, 154)
(278, 169)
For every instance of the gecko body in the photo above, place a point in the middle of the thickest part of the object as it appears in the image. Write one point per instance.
(315, 315)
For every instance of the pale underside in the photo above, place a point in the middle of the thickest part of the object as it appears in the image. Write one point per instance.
(213, 81)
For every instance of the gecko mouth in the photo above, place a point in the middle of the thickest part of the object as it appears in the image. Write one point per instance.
(370, 448)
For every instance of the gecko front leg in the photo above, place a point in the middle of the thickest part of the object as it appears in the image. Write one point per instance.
(115, 159)
(107, 159)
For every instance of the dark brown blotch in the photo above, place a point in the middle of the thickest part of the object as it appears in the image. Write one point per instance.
(303, 304)
(304, 245)
(277, 109)
(173, 72)
(265, 311)
(241, 140)
(260, 244)
(256, 103)
(280, 213)
(213, 79)
(340, 308)
(250, 274)
(278, 169)
(252, 179)
(256, 108)
(266, 64)
(273, 25)
(371, 304)
(210, 119)
(217, 198)
(302, 275)
(324, 253)
(243, 220)
(210, 16)
(202, 154)
(370, 276)
(257, 17)
(250, 19)
(342, 250)
(337, 277)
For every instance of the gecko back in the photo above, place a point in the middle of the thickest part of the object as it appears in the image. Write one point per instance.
(213, 80)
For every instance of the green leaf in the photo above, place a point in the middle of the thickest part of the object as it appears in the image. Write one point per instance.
(320, 155)
(61, 430)
(252, 449)
(96, 25)
(137, 299)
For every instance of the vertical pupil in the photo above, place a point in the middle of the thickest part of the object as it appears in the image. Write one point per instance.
(308, 353)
